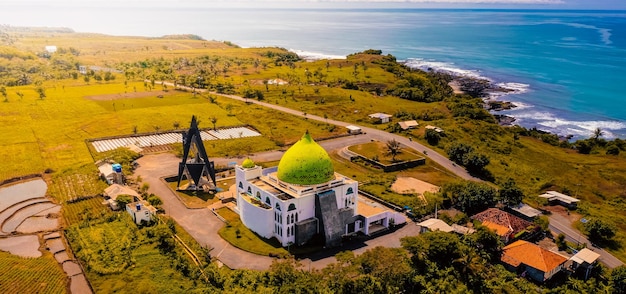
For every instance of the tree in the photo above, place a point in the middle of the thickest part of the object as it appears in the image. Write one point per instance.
(176, 125)
(618, 279)
(41, 91)
(393, 148)
(154, 200)
(123, 199)
(599, 231)
(560, 242)
(432, 137)
(597, 133)
(475, 162)
(214, 121)
(457, 152)
(3, 91)
(510, 194)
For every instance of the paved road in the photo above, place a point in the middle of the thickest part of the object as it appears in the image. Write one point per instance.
(200, 223)
(560, 224)
(375, 134)
(203, 225)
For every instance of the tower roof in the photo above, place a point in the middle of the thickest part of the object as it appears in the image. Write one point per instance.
(248, 163)
(305, 163)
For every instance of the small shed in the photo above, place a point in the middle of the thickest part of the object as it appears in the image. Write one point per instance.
(141, 211)
(434, 224)
(525, 211)
(112, 192)
(380, 117)
(409, 124)
(353, 130)
(434, 128)
(561, 199)
(584, 260)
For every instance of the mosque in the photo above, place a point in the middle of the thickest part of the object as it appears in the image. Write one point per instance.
(303, 197)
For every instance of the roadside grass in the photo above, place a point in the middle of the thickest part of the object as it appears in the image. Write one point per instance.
(241, 237)
(31, 275)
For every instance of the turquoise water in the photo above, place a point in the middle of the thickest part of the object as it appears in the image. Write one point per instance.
(568, 67)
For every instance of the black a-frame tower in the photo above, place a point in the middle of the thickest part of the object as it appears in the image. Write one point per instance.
(198, 169)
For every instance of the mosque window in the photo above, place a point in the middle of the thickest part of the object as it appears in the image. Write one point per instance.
(296, 217)
(292, 218)
(350, 191)
(240, 185)
(267, 200)
(249, 190)
(277, 206)
(291, 207)
(258, 195)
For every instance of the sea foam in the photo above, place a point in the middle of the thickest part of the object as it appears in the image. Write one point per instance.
(308, 55)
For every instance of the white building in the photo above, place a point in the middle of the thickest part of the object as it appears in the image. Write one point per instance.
(141, 211)
(303, 197)
(380, 117)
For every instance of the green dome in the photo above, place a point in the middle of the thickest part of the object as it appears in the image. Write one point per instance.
(248, 163)
(305, 163)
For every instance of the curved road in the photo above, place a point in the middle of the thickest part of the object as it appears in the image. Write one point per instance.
(375, 134)
(556, 224)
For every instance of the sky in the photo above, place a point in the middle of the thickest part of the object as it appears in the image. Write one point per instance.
(507, 4)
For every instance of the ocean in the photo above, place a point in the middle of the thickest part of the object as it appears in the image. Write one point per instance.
(568, 68)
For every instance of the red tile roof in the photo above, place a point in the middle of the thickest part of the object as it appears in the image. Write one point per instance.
(503, 218)
(531, 255)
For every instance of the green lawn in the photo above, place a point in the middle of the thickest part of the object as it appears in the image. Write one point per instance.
(241, 237)
(379, 151)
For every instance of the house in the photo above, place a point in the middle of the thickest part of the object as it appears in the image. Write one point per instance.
(525, 211)
(112, 192)
(380, 118)
(528, 259)
(353, 130)
(110, 172)
(506, 225)
(141, 211)
(584, 260)
(409, 124)
(433, 224)
(436, 129)
(560, 199)
(303, 197)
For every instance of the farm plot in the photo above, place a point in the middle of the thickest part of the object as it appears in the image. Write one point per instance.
(71, 186)
(31, 275)
(171, 138)
(87, 209)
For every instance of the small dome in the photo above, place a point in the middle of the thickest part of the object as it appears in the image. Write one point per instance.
(305, 163)
(248, 163)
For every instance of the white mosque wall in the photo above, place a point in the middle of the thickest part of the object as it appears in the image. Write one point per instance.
(256, 218)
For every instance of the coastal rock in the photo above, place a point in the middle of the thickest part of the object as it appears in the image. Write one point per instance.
(499, 105)
(504, 120)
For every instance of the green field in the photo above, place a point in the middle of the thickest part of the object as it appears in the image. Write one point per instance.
(31, 275)
(46, 121)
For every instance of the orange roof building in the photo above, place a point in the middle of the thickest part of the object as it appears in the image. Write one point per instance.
(531, 260)
(503, 223)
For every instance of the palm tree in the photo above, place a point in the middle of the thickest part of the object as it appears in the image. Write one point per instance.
(213, 121)
(597, 133)
(393, 148)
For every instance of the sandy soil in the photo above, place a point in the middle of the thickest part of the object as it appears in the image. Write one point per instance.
(409, 185)
(456, 88)
(109, 97)
(24, 246)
